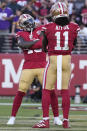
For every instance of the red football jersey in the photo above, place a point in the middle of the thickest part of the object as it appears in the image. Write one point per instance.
(61, 39)
(34, 57)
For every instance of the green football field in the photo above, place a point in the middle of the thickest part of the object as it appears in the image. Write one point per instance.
(30, 113)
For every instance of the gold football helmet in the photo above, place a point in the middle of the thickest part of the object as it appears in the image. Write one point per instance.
(58, 10)
(26, 22)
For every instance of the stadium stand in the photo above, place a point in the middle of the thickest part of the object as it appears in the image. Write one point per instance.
(8, 43)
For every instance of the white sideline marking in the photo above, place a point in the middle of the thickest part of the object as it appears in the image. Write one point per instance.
(25, 104)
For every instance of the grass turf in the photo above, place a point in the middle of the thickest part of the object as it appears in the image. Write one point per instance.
(28, 115)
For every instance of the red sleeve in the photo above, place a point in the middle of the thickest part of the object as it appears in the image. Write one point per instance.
(76, 30)
(44, 28)
(18, 34)
(38, 45)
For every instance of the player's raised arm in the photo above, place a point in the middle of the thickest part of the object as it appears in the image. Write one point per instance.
(27, 23)
(25, 44)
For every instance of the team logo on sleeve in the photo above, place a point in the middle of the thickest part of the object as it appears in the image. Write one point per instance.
(39, 32)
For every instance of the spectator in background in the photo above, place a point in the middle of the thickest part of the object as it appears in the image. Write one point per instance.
(35, 91)
(28, 9)
(37, 88)
(15, 25)
(82, 38)
(6, 15)
(37, 22)
(44, 10)
(73, 17)
(13, 5)
(37, 4)
(70, 7)
(84, 13)
(83, 30)
(41, 8)
(83, 34)
(21, 2)
(43, 20)
(78, 4)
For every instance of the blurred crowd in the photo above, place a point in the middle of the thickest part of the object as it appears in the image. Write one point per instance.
(10, 11)
(35, 91)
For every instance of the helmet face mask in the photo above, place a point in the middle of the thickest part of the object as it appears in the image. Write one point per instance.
(58, 10)
(29, 24)
(26, 22)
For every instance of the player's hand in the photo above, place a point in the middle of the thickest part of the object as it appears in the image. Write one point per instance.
(34, 39)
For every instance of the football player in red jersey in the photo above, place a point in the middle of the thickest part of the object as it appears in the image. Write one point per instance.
(60, 37)
(35, 60)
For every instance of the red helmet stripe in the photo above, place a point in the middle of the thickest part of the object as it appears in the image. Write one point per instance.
(62, 8)
(59, 6)
(25, 16)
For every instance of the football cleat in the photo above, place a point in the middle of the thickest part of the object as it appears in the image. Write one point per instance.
(11, 121)
(42, 124)
(66, 124)
(57, 121)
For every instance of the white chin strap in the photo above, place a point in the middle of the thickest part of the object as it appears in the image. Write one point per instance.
(31, 35)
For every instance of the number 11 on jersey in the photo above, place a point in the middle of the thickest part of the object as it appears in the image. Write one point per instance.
(58, 38)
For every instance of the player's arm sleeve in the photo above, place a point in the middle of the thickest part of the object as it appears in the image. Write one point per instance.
(25, 44)
(44, 42)
(77, 31)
